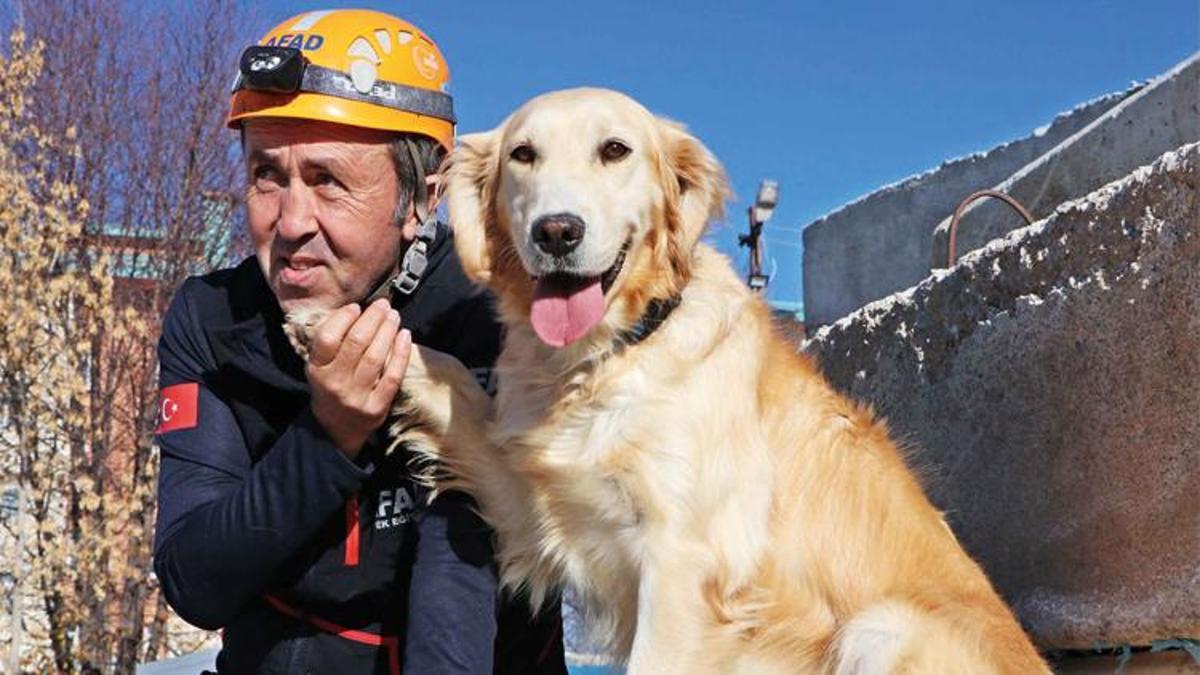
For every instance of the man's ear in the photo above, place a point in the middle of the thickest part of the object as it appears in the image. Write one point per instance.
(435, 186)
(471, 200)
(695, 187)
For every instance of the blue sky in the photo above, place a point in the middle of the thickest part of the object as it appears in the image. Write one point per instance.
(832, 99)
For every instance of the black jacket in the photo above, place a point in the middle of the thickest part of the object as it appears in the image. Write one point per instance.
(308, 561)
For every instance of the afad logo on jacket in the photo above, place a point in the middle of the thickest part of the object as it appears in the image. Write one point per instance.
(395, 508)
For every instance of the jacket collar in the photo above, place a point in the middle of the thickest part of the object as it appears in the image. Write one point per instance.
(254, 342)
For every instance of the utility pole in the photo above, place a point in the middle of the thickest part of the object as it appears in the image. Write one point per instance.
(759, 213)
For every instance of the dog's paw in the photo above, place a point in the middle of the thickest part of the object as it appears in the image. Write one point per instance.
(299, 326)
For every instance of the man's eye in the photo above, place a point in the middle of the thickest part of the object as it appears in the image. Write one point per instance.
(326, 179)
(266, 176)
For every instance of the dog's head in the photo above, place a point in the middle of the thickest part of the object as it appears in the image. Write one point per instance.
(580, 209)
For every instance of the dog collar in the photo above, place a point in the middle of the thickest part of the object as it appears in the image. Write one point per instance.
(655, 315)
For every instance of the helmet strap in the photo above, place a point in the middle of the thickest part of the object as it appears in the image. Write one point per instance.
(414, 262)
(415, 259)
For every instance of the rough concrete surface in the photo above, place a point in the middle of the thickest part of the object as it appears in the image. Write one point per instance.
(1161, 117)
(1049, 387)
(843, 250)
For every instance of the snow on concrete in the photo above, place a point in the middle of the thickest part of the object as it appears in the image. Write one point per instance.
(1047, 384)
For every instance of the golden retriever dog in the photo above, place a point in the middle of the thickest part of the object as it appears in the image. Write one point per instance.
(657, 447)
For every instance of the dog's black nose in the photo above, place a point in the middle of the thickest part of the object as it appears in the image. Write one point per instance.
(558, 233)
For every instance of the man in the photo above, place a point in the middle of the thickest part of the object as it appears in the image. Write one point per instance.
(282, 520)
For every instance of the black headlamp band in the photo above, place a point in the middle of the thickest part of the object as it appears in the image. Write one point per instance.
(426, 102)
(320, 80)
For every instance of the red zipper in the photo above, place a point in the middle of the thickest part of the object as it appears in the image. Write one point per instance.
(351, 559)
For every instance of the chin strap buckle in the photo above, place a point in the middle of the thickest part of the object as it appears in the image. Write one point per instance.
(415, 260)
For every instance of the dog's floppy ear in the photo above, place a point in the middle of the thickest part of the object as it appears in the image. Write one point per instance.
(471, 197)
(697, 194)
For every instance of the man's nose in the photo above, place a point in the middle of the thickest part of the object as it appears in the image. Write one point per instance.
(558, 234)
(297, 213)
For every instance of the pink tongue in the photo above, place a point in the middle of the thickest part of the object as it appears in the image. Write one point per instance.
(566, 308)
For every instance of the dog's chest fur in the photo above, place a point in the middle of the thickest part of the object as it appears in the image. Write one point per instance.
(609, 448)
(576, 434)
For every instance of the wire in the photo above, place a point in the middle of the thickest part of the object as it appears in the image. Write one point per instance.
(782, 242)
(783, 228)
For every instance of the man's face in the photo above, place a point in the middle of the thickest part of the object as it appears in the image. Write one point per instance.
(320, 204)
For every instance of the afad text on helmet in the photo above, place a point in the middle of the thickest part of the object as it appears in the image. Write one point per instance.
(297, 41)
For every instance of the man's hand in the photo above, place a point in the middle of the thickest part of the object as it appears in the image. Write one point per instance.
(356, 364)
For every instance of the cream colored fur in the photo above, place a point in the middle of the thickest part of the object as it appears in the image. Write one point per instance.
(717, 505)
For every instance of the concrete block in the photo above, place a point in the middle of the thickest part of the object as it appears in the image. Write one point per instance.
(1049, 387)
(879, 243)
(1161, 117)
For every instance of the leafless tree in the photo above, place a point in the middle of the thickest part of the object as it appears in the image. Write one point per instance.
(134, 96)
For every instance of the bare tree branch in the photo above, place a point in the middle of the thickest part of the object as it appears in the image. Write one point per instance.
(117, 180)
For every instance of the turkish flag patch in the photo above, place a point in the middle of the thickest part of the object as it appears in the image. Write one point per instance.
(177, 407)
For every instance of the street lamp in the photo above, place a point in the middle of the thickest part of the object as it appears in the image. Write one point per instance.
(760, 213)
(764, 203)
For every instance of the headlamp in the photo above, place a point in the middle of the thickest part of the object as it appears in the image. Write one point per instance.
(285, 70)
(278, 70)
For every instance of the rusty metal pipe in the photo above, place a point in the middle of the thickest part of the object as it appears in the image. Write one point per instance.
(962, 206)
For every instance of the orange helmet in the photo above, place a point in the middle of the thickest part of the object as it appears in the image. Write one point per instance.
(350, 66)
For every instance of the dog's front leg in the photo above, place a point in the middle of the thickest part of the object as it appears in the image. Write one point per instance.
(672, 619)
(440, 412)
(444, 412)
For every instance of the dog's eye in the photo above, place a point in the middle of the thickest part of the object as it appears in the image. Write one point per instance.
(523, 153)
(614, 151)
